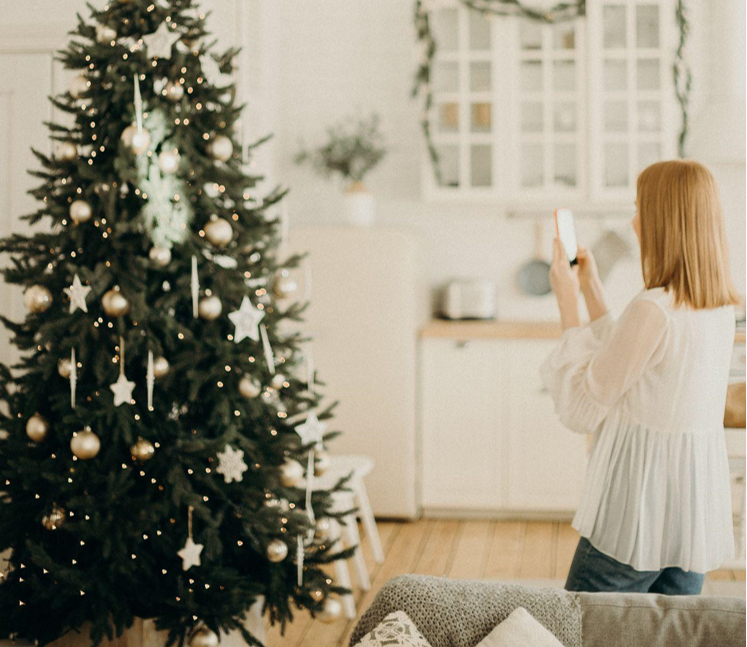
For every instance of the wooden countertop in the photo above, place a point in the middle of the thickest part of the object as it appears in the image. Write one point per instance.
(445, 329)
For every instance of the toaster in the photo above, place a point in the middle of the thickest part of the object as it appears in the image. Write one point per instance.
(469, 299)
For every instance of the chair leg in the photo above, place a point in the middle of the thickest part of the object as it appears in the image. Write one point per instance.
(353, 538)
(367, 517)
(343, 579)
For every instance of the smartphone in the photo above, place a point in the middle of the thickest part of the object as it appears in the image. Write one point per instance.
(566, 231)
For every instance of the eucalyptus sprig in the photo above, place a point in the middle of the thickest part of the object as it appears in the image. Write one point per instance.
(353, 148)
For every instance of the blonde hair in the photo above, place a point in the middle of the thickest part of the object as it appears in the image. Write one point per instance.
(683, 243)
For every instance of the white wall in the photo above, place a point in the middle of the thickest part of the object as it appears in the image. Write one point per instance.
(338, 56)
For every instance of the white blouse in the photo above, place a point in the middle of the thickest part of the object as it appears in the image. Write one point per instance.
(652, 389)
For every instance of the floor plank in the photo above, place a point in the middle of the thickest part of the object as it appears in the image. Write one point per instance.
(435, 557)
(722, 575)
(472, 550)
(504, 553)
(536, 560)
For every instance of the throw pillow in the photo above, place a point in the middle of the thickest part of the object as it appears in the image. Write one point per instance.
(520, 629)
(396, 630)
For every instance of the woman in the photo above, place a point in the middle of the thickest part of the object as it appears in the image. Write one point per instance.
(655, 514)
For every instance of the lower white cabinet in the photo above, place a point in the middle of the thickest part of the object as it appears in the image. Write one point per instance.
(491, 441)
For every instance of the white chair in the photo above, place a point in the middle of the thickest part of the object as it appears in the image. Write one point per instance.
(353, 496)
(360, 467)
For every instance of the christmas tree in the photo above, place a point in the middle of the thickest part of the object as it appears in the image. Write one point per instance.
(161, 429)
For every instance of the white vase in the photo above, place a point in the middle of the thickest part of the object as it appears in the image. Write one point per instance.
(359, 205)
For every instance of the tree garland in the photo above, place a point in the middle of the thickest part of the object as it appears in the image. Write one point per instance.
(562, 12)
(683, 77)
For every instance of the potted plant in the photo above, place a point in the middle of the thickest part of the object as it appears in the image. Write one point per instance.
(354, 146)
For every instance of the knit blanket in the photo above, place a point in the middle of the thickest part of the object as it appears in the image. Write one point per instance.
(456, 613)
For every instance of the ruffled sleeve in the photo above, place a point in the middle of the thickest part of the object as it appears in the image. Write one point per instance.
(595, 365)
(603, 327)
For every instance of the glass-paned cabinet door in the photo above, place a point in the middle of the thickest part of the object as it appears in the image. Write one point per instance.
(466, 83)
(631, 94)
(550, 101)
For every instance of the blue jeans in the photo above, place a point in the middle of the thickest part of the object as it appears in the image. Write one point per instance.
(593, 571)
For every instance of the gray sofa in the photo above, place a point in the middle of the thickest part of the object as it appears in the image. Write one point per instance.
(455, 613)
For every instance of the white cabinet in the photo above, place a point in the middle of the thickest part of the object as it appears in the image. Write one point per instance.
(491, 441)
(529, 112)
(547, 462)
(465, 434)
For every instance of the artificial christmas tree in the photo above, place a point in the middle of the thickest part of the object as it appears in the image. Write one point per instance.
(151, 466)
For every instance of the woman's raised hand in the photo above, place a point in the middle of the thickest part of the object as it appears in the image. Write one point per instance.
(564, 278)
(565, 285)
(591, 284)
(588, 274)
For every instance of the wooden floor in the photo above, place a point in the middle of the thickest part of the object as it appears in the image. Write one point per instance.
(457, 549)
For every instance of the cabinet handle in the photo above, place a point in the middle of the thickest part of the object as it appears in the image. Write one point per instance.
(462, 344)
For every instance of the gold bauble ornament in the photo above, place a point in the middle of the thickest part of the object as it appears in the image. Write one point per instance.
(218, 231)
(291, 473)
(80, 211)
(210, 308)
(221, 148)
(284, 285)
(65, 367)
(327, 529)
(79, 86)
(248, 387)
(331, 611)
(115, 303)
(55, 518)
(160, 256)
(322, 462)
(66, 151)
(204, 637)
(142, 450)
(276, 551)
(174, 91)
(136, 140)
(37, 427)
(37, 298)
(277, 381)
(105, 34)
(161, 367)
(85, 444)
(168, 161)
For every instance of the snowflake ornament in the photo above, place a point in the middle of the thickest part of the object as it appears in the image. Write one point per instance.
(231, 464)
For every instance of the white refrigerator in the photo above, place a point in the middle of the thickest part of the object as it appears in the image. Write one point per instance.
(367, 304)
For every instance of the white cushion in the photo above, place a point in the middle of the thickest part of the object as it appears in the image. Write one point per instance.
(396, 630)
(520, 629)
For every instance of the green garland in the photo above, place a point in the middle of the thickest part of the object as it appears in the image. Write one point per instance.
(683, 78)
(561, 12)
